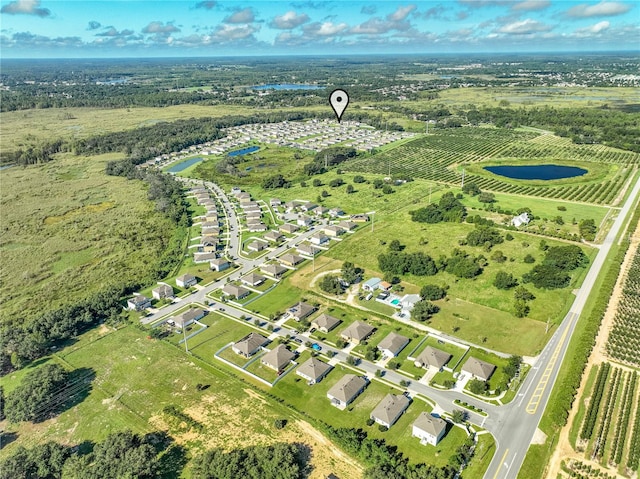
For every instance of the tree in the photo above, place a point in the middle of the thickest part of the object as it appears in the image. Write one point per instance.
(588, 229)
(529, 259)
(520, 308)
(423, 310)
(324, 193)
(523, 293)
(351, 273)
(331, 284)
(35, 398)
(482, 235)
(350, 189)
(508, 237)
(458, 416)
(486, 197)
(476, 386)
(504, 280)
(351, 361)
(358, 179)
(513, 366)
(470, 188)
(387, 189)
(336, 182)
(395, 245)
(432, 292)
(462, 265)
(275, 181)
(316, 182)
(498, 256)
(280, 423)
(123, 454)
(546, 276)
(378, 183)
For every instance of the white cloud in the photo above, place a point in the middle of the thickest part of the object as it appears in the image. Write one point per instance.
(401, 13)
(241, 16)
(289, 20)
(593, 29)
(160, 28)
(112, 32)
(207, 5)
(602, 9)
(227, 33)
(324, 29)
(524, 27)
(25, 7)
(531, 5)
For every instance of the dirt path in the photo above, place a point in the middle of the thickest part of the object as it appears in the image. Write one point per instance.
(563, 450)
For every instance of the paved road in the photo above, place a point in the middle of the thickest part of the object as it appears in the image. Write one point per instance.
(512, 425)
(515, 424)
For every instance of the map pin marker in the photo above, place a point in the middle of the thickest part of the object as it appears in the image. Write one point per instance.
(339, 101)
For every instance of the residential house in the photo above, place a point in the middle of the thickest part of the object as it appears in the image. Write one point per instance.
(521, 219)
(319, 238)
(273, 270)
(253, 215)
(307, 249)
(301, 310)
(220, 264)
(409, 300)
(308, 207)
(238, 292)
(432, 357)
(357, 332)
(278, 358)
(313, 370)
(162, 291)
(348, 225)
(288, 228)
(389, 410)
(243, 197)
(429, 429)
(392, 344)
(371, 284)
(210, 231)
(325, 323)
(360, 218)
(290, 206)
(304, 221)
(320, 210)
(273, 236)
(346, 390)
(138, 303)
(203, 257)
(290, 259)
(209, 224)
(478, 369)
(255, 227)
(275, 202)
(334, 212)
(186, 281)
(253, 279)
(249, 345)
(188, 317)
(208, 244)
(384, 285)
(256, 245)
(333, 231)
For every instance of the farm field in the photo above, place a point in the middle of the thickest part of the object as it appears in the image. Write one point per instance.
(69, 230)
(137, 377)
(441, 156)
(609, 429)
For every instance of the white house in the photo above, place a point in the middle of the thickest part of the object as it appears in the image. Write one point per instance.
(371, 284)
(186, 280)
(521, 219)
(429, 429)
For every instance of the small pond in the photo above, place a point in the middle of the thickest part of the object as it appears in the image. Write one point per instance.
(537, 172)
(244, 151)
(183, 165)
(287, 86)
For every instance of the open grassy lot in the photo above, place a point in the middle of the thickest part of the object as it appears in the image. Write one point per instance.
(136, 377)
(277, 301)
(70, 230)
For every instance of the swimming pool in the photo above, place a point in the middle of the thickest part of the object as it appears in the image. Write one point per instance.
(395, 302)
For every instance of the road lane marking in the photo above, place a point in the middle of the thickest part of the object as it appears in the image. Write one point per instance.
(501, 463)
(536, 397)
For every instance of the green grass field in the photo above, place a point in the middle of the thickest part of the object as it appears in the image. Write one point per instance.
(70, 230)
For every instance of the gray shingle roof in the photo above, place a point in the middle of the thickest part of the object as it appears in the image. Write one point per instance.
(478, 368)
(250, 343)
(430, 424)
(394, 342)
(314, 368)
(390, 408)
(327, 322)
(433, 357)
(347, 388)
(357, 330)
(278, 357)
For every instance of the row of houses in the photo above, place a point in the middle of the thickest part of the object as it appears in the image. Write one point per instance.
(140, 302)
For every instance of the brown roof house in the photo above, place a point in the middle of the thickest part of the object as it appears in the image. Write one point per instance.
(288, 228)
(313, 370)
(325, 323)
(346, 390)
(249, 345)
(392, 344)
(278, 358)
(389, 410)
(162, 291)
(273, 270)
(478, 369)
(256, 245)
(253, 279)
(357, 332)
(238, 292)
(290, 259)
(301, 310)
(432, 357)
(273, 236)
(429, 429)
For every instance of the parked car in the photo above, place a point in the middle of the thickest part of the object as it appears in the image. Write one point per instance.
(316, 347)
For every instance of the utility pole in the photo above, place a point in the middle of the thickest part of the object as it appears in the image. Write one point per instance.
(462, 186)
(427, 123)
(184, 333)
(430, 194)
(546, 329)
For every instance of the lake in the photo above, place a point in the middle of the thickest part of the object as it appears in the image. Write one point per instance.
(244, 151)
(287, 86)
(184, 165)
(537, 172)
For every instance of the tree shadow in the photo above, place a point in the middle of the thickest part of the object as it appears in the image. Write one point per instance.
(303, 457)
(6, 438)
(172, 462)
(75, 390)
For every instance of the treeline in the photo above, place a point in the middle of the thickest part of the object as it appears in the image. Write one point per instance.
(460, 264)
(279, 461)
(24, 340)
(386, 462)
(553, 272)
(33, 155)
(447, 209)
(328, 158)
(120, 455)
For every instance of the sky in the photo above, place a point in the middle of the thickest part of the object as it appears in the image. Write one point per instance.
(159, 28)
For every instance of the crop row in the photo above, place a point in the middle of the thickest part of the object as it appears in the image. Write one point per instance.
(633, 460)
(624, 339)
(594, 402)
(597, 153)
(580, 470)
(609, 405)
(623, 419)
